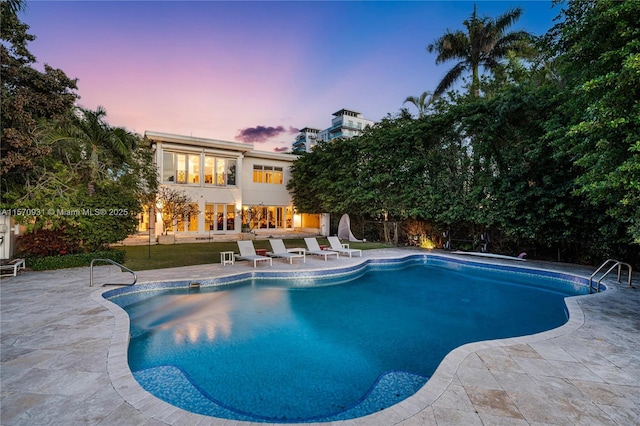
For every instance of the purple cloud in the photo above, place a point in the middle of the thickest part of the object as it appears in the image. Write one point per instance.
(262, 134)
(282, 149)
(259, 133)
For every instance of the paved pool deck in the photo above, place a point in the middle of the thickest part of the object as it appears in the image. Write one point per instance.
(63, 358)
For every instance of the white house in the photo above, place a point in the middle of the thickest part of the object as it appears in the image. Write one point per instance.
(235, 187)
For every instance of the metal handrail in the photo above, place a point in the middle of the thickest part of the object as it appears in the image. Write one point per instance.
(135, 277)
(606, 262)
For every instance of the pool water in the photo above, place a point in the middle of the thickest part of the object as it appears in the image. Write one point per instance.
(302, 350)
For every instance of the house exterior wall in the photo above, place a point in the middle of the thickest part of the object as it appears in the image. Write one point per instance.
(203, 169)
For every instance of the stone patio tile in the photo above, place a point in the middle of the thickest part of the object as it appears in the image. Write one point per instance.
(521, 351)
(448, 417)
(500, 363)
(476, 377)
(574, 370)
(489, 420)
(472, 361)
(608, 394)
(493, 402)
(518, 381)
(556, 388)
(537, 367)
(15, 404)
(622, 416)
(455, 397)
(614, 375)
(582, 411)
(425, 417)
(551, 351)
(538, 408)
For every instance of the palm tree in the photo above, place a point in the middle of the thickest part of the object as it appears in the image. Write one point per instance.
(99, 143)
(421, 102)
(484, 44)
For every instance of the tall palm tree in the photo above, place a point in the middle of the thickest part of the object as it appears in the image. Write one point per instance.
(421, 102)
(485, 44)
(99, 143)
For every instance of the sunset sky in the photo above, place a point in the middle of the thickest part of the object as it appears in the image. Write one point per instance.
(251, 71)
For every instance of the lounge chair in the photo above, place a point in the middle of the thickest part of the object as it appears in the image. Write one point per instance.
(12, 268)
(314, 248)
(248, 252)
(279, 250)
(336, 245)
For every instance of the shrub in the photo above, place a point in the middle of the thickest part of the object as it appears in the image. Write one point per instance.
(48, 242)
(73, 260)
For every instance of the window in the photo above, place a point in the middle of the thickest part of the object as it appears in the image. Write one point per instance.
(168, 168)
(231, 217)
(219, 217)
(191, 221)
(268, 174)
(219, 171)
(180, 168)
(267, 217)
(209, 210)
(257, 174)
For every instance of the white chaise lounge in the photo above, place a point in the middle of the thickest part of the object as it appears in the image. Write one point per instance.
(279, 250)
(314, 248)
(336, 245)
(248, 252)
(12, 268)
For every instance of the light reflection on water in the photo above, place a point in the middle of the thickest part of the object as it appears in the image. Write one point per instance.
(201, 316)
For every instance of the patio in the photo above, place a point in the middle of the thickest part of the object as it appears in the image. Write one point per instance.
(63, 358)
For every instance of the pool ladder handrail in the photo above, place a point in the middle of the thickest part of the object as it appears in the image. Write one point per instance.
(606, 262)
(122, 267)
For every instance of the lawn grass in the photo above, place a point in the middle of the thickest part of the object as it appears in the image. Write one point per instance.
(140, 258)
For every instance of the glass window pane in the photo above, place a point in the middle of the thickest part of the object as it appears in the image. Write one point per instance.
(181, 168)
(208, 217)
(289, 217)
(257, 174)
(271, 217)
(219, 217)
(220, 172)
(194, 168)
(277, 175)
(193, 219)
(231, 217)
(231, 172)
(168, 169)
(208, 169)
(279, 217)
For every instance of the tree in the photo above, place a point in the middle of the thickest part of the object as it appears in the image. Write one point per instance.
(101, 145)
(598, 44)
(485, 44)
(174, 206)
(422, 102)
(28, 96)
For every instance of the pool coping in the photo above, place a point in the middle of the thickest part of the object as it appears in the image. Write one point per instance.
(131, 391)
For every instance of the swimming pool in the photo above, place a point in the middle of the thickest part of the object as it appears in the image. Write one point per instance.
(272, 344)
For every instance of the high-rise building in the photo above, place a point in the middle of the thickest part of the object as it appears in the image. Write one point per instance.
(345, 124)
(306, 139)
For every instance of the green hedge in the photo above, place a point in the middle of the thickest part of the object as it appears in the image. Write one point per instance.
(73, 260)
